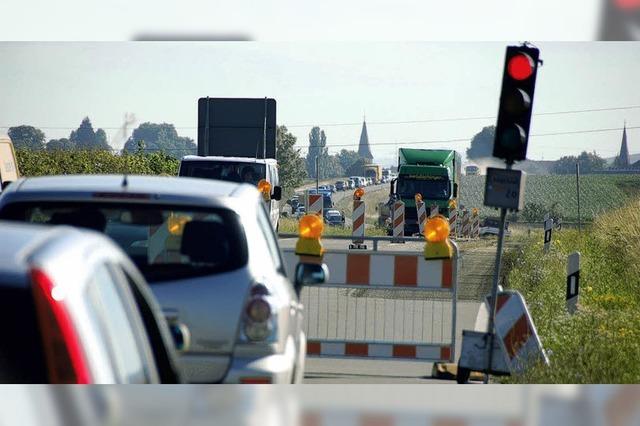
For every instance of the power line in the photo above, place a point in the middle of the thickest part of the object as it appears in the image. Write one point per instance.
(458, 140)
(487, 117)
(432, 120)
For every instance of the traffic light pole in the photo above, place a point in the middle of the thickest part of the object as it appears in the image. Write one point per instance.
(494, 289)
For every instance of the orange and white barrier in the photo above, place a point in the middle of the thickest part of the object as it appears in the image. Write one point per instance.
(466, 224)
(378, 350)
(358, 221)
(435, 211)
(421, 211)
(398, 220)
(314, 204)
(342, 323)
(475, 230)
(453, 222)
(383, 269)
(517, 333)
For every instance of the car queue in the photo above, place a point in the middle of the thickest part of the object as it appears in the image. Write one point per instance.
(179, 295)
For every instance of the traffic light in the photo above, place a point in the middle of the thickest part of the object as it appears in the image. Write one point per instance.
(516, 103)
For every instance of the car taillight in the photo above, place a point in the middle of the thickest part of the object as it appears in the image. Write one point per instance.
(258, 318)
(66, 360)
(258, 309)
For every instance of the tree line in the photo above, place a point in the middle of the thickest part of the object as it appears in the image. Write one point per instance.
(482, 147)
(149, 138)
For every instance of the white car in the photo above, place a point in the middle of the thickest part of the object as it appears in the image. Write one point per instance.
(491, 226)
(209, 253)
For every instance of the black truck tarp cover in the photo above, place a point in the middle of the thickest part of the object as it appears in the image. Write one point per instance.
(234, 127)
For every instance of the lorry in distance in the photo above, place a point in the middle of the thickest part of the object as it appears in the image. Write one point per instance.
(433, 173)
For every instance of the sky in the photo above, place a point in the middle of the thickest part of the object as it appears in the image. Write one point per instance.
(334, 85)
(284, 20)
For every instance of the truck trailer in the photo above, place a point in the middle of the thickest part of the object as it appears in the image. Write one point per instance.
(237, 142)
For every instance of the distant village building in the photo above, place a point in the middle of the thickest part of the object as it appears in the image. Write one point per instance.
(363, 148)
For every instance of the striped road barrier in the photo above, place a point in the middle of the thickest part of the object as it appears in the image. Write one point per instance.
(466, 224)
(358, 221)
(475, 232)
(398, 221)
(434, 211)
(421, 210)
(387, 305)
(453, 222)
(314, 204)
(516, 332)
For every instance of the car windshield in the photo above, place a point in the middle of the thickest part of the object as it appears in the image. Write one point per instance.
(434, 188)
(164, 242)
(224, 170)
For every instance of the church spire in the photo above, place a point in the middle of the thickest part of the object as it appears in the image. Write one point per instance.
(363, 148)
(622, 161)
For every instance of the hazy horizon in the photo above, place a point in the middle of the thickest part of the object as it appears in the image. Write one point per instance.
(439, 94)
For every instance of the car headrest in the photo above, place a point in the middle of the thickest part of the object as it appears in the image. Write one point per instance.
(82, 218)
(205, 242)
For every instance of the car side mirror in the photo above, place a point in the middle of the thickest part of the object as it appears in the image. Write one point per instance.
(277, 193)
(310, 274)
(181, 336)
(5, 184)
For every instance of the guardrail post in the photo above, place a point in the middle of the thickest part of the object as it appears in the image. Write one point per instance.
(573, 281)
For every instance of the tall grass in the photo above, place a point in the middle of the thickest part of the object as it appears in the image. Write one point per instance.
(289, 225)
(601, 342)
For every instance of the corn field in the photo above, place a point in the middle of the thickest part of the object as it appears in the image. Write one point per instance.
(598, 193)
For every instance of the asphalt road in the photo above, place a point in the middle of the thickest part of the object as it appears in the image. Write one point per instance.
(392, 315)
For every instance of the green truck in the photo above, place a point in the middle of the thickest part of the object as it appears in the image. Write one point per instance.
(432, 173)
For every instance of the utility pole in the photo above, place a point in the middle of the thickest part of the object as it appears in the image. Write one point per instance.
(317, 175)
(578, 193)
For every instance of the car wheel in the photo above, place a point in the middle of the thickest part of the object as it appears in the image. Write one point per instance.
(463, 375)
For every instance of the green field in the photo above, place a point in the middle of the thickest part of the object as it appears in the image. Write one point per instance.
(598, 193)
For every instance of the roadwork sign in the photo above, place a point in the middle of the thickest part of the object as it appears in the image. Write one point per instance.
(504, 188)
(573, 281)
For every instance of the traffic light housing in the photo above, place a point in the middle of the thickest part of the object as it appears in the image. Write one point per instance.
(516, 103)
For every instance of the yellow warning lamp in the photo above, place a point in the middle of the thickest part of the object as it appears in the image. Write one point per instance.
(310, 229)
(265, 188)
(418, 198)
(453, 204)
(175, 223)
(358, 194)
(436, 232)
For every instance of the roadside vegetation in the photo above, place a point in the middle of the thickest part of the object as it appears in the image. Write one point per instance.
(289, 225)
(41, 163)
(601, 342)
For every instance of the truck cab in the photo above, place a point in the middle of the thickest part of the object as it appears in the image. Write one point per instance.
(434, 174)
(240, 170)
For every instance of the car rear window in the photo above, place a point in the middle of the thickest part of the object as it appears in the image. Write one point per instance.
(165, 242)
(225, 170)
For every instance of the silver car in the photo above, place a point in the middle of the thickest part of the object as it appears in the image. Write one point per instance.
(210, 254)
(76, 310)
